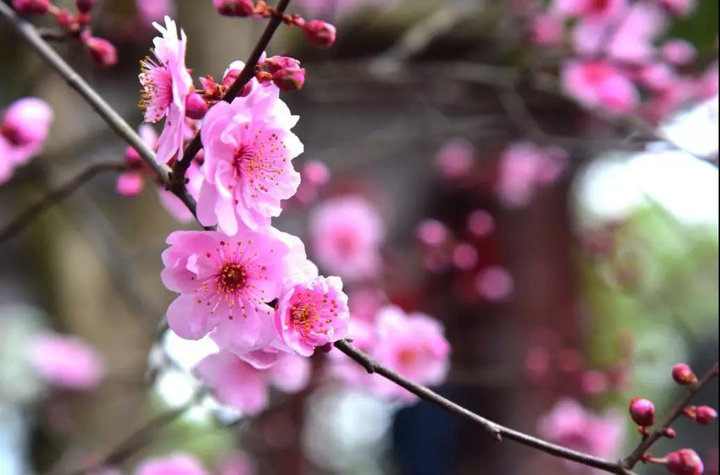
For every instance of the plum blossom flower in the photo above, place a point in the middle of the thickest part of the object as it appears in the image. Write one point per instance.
(226, 283)
(571, 425)
(600, 84)
(66, 362)
(24, 128)
(178, 464)
(347, 233)
(241, 385)
(524, 167)
(166, 86)
(248, 152)
(414, 345)
(312, 313)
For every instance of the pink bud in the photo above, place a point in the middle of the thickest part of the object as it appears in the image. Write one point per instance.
(102, 52)
(320, 33)
(685, 462)
(684, 375)
(130, 184)
(286, 72)
(31, 7)
(239, 8)
(84, 6)
(706, 415)
(196, 107)
(642, 412)
(316, 172)
(670, 433)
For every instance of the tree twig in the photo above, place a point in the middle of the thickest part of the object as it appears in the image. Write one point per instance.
(636, 457)
(497, 431)
(54, 197)
(181, 166)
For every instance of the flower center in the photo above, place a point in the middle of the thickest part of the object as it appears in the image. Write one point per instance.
(308, 313)
(232, 279)
(157, 93)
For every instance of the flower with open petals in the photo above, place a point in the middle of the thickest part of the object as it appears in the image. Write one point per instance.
(248, 168)
(243, 386)
(226, 282)
(602, 85)
(312, 313)
(166, 86)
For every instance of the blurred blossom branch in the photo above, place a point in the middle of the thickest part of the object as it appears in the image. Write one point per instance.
(55, 196)
(677, 412)
(180, 168)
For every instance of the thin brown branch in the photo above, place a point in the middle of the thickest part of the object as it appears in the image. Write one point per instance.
(496, 431)
(54, 197)
(181, 166)
(677, 412)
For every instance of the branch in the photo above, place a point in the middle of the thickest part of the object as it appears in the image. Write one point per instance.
(497, 431)
(54, 197)
(28, 33)
(659, 433)
(248, 73)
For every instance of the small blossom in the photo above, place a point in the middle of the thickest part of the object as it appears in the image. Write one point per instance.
(413, 345)
(705, 415)
(178, 464)
(685, 462)
(249, 148)
(347, 233)
(245, 387)
(495, 284)
(320, 34)
(312, 314)
(102, 52)
(523, 168)
(31, 7)
(642, 412)
(24, 128)
(130, 184)
(600, 84)
(66, 362)
(684, 375)
(547, 29)
(226, 283)
(238, 8)
(166, 85)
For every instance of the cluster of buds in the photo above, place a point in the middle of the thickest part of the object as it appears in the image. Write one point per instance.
(73, 25)
(318, 33)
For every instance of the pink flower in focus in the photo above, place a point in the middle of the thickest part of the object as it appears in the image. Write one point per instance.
(312, 313)
(679, 51)
(66, 362)
(571, 425)
(166, 86)
(600, 84)
(455, 159)
(244, 387)
(248, 160)
(413, 345)
(226, 283)
(24, 128)
(151, 11)
(179, 464)
(524, 166)
(347, 233)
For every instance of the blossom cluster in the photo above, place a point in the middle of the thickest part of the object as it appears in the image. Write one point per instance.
(24, 128)
(619, 58)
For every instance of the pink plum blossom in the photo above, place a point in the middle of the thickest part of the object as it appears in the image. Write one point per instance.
(151, 11)
(573, 426)
(178, 464)
(312, 313)
(455, 159)
(414, 345)
(24, 128)
(524, 167)
(226, 283)
(241, 385)
(166, 86)
(66, 362)
(248, 160)
(599, 84)
(347, 233)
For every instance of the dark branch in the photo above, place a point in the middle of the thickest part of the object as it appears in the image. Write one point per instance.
(54, 197)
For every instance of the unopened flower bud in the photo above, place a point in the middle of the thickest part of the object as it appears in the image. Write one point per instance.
(705, 415)
(286, 73)
(196, 107)
(642, 412)
(320, 33)
(670, 433)
(84, 6)
(684, 375)
(239, 8)
(685, 462)
(102, 52)
(31, 7)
